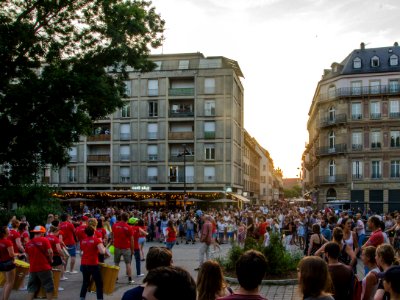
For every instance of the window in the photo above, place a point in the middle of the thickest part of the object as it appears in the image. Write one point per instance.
(152, 174)
(356, 112)
(158, 66)
(152, 152)
(209, 130)
(393, 60)
(331, 92)
(183, 65)
(395, 169)
(73, 154)
(209, 85)
(394, 108)
(332, 114)
(209, 174)
(375, 140)
(357, 169)
(128, 88)
(376, 169)
(357, 63)
(331, 140)
(395, 138)
(356, 140)
(332, 168)
(209, 108)
(152, 130)
(356, 87)
(375, 86)
(375, 110)
(126, 110)
(375, 61)
(124, 153)
(125, 132)
(209, 151)
(153, 109)
(71, 174)
(152, 87)
(394, 86)
(125, 174)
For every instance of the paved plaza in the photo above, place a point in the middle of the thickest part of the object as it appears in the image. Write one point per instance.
(184, 255)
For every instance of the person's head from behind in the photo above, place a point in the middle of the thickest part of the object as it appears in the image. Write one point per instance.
(385, 255)
(210, 280)
(332, 250)
(89, 230)
(314, 276)
(64, 217)
(391, 280)
(316, 228)
(158, 257)
(250, 269)
(165, 283)
(338, 234)
(368, 255)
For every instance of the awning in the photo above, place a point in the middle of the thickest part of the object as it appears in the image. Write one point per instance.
(240, 197)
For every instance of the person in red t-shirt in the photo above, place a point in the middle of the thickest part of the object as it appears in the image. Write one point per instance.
(122, 237)
(376, 237)
(101, 233)
(7, 265)
(69, 240)
(15, 237)
(40, 258)
(91, 247)
(170, 234)
(80, 230)
(136, 231)
(58, 255)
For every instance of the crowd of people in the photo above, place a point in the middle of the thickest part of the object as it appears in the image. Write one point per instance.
(331, 241)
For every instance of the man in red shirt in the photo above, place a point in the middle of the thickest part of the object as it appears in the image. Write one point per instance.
(69, 240)
(40, 258)
(376, 238)
(122, 237)
(80, 230)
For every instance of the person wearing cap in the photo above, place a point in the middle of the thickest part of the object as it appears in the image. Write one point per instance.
(122, 238)
(40, 257)
(391, 282)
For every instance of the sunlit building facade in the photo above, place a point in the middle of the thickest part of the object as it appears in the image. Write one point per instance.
(354, 132)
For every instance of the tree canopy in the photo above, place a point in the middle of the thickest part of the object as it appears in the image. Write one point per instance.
(55, 79)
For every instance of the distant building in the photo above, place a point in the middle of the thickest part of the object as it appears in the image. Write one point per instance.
(354, 132)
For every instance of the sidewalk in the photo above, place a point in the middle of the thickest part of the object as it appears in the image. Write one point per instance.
(185, 256)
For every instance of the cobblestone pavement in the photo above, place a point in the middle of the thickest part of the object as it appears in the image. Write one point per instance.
(184, 255)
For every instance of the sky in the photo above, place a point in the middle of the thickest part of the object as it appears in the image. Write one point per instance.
(282, 48)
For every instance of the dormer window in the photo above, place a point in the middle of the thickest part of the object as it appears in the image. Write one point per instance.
(357, 63)
(375, 61)
(394, 60)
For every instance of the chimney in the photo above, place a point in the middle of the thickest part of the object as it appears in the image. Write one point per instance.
(362, 46)
(396, 44)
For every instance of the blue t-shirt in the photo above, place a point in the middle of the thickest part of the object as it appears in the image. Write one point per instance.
(133, 294)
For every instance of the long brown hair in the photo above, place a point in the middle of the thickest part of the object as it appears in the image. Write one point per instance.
(314, 276)
(210, 280)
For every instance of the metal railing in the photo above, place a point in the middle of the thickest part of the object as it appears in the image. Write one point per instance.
(181, 114)
(181, 91)
(152, 179)
(124, 179)
(340, 178)
(337, 149)
(99, 179)
(152, 157)
(209, 134)
(338, 119)
(359, 91)
(98, 137)
(375, 116)
(356, 116)
(356, 147)
(394, 115)
(357, 176)
(98, 157)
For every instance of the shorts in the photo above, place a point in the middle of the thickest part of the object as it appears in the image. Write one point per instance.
(71, 250)
(142, 240)
(126, 253)
(43, 278)
(230, 235)
(57, 261)
(7, 265)
(214, 235)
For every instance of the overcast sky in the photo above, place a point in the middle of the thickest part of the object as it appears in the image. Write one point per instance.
(282, 48)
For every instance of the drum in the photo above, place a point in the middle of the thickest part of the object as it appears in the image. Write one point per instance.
(56, 280)
(22, 270)
(109, 274)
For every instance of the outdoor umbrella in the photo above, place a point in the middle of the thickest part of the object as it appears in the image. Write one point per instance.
(77, 200)
(153, 200)
(194, 200)
(224, 200)
(123, 200)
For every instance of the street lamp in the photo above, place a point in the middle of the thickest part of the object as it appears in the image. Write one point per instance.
(184, 174)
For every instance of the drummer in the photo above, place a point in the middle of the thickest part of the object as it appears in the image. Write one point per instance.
(58, 257)
(40, 257)
(7, 265)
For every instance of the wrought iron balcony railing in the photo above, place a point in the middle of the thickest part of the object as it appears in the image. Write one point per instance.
(337, 149)
(338, 119)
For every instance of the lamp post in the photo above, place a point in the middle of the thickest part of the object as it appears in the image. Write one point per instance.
(184, 175)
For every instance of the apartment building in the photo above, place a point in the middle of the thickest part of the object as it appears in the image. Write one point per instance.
(181, 129)
(354, 132)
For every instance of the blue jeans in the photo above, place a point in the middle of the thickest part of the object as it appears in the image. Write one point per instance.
(136, 253)
(169, 245)
(361, 239)
(94, 272)
(189, 235)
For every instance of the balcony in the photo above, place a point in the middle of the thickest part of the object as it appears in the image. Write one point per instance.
(338, 119)
(356, 117)
(98, 158)
(326, 150)
(124, 179)
(375, 116)
(99, 180)
(357, 176)
(394, 115)
(152, 179)
(209, 134)
(181, 92)
(180, 179)
(360, 91)
(342, 178)
(356, 147)
(152, 157)
(98, 138)
(181, 113)
(376, 146)
(176, 158)
(189, 135)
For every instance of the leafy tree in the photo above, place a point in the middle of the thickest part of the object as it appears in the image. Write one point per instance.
(294, 192)
(56, 57)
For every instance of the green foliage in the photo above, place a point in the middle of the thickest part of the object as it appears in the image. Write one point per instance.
(55, 59)
(279, 261)
(36, 203)
(294, 192)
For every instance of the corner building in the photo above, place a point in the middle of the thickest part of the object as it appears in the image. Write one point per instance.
(354, 132)
(181, 129)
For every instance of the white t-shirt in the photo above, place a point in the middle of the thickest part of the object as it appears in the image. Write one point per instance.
(360, 224)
